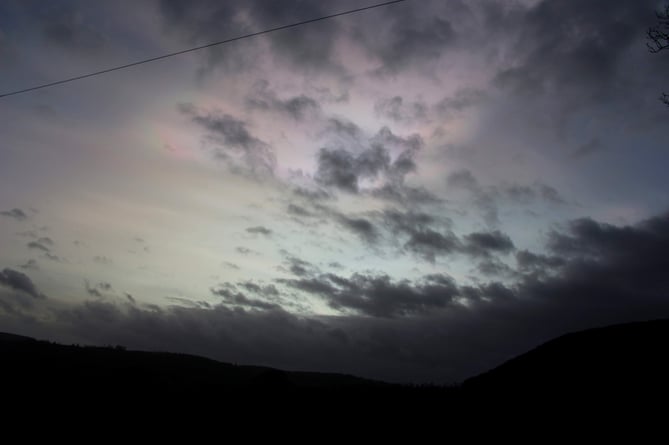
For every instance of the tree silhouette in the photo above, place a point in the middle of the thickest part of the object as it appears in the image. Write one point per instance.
(658, 39)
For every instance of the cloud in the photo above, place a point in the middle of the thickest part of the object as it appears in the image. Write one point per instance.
(101, 259)
(462, 179)
(429, 243)
(187, 302)
(297, 107)
(236, 298)
(527, 260)
(298, 211)
(337, 168)
(491, 266)
(204, 21)
(46, 241)
(379, 295)
(461, 101)
(401, 111)
(232, 139)
(38, 246)
(53, 257)
(551, 195)
(344, 169)
(408, 38)
(360, 226)
(522, 194)
(487, 198)
(259, 230)
(408, 330)
(268, 290)
(483, 243)
(423, 234)
(15, 213)
(30, 265)
(243, 250)
(405, 195)
(297, 266)
(581, 55)
(592, 146)
(19, 281)
(69, 28)
(99, 289)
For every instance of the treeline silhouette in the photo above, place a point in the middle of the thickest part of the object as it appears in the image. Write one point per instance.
(612, 368)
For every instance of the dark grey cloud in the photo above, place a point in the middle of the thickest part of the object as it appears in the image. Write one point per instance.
(298, 211)
(312, 194)
(491, 266)
(54, 257)
(46, 241)
(462, 100)
(408, 36)
(15, 213)
(399, 110)
(531, 261)
(485, 243)
(267, 290)
(243, 250)
(187, 302)
(101, 259)
(586, 238)
(298, 266)
(594, 145)
(204, 21)
(344, 131)
(396, 329)
(551, 195)
(345, 169)
(233, 297)
(423, 234)
(485, 199)
(44, 244)
(405, 195)
(520, 193)
(233, 140)
(259, 230)
(38, 246)
(429, 243)
(579, 57)
(462, 179)
(71, 28)
(30, 265)
(266, 99)
(337, 168)
(409, 221)
(488, 198)
(19, 281)
(360, 226)
(379, 295)
(99, 289)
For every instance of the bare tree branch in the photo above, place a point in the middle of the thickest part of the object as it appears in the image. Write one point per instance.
(658, 36)
(658, 39)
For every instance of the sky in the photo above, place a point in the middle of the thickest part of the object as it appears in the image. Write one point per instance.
(414, 193)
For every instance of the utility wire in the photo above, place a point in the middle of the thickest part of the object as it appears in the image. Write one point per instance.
(197, 48)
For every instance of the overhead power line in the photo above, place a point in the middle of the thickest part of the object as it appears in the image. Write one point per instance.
(197, 48)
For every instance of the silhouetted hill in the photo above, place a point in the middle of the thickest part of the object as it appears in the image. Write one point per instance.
(606, 367)
(44, 363)
(616, 363)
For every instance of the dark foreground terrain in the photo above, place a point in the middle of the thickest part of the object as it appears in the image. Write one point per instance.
(618, 368)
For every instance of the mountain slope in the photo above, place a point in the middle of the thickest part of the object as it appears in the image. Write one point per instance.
(620, 361)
